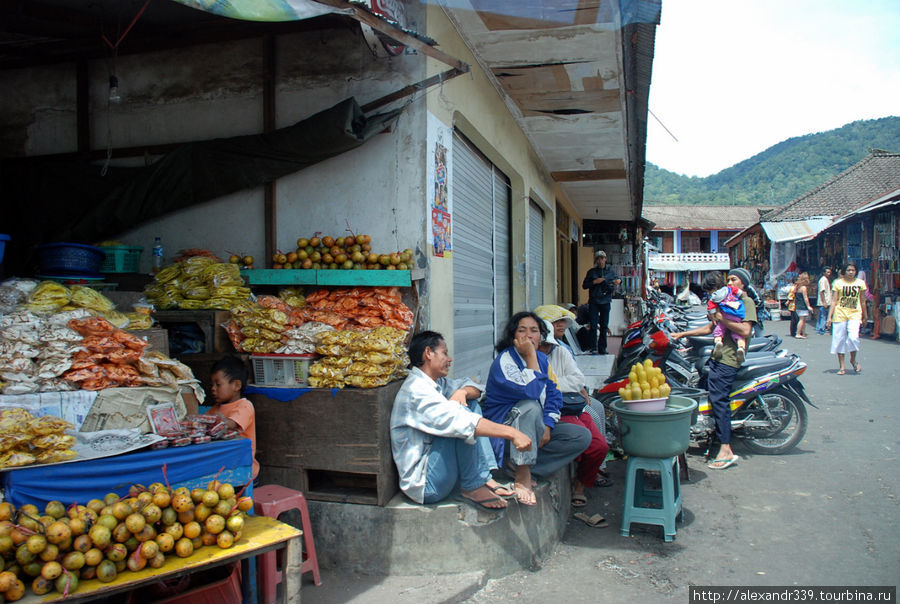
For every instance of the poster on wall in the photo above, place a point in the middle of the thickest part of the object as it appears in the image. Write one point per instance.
(440, 203)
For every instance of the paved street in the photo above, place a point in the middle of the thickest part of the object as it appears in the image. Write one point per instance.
(825, 514)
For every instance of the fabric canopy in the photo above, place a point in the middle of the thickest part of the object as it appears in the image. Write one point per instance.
(51, 200)
(262, 10)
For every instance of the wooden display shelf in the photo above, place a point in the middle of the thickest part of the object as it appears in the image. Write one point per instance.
(333, 447)
(260, 535)
(268, 276)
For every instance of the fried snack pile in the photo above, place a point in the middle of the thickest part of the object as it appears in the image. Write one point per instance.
(51, 297)
(197, 283)
(266, 328)
(25, 440)
(357, 307)
(363, 359)
(113, 358)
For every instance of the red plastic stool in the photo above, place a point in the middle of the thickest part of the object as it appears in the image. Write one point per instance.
(272, 500)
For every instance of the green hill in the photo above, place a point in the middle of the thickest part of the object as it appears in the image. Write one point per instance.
(779, 174)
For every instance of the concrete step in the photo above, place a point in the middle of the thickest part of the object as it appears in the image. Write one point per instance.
(451, 537)
(340, 588)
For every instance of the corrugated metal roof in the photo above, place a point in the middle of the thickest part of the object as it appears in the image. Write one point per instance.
(795, 230)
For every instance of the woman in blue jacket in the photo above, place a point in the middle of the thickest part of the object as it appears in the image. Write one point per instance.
(521, 393)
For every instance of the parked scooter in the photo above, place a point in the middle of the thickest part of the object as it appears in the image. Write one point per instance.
(767, 399)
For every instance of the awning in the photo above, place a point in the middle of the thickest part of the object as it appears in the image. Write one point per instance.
(795, 230)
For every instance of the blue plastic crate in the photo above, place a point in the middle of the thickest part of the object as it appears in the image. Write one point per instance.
(69, 258)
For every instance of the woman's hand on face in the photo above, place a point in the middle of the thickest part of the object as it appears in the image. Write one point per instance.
(524, 346)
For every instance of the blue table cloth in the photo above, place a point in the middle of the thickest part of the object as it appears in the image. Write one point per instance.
(80, 481)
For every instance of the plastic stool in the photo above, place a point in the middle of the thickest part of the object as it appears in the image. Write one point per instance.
(636, 495)
(272, 500)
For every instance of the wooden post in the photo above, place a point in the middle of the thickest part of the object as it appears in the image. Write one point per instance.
(291, 579)
(271, 193)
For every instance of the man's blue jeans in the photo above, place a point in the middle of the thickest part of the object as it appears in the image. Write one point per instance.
(452, 463)
(820, 320)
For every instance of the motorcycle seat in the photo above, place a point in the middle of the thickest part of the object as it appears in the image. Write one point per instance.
(753, 368)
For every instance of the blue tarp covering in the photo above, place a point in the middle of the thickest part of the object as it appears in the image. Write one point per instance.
(282, 394)
(80, 481)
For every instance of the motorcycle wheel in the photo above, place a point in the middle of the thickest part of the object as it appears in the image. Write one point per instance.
(788, 425)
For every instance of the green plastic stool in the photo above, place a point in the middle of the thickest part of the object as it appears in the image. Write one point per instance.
(637, 496)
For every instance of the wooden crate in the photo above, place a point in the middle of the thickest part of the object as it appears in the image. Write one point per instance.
(157, 338)
(333, 448)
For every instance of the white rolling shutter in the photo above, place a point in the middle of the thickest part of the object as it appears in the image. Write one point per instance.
(535, 266)
(481, 267)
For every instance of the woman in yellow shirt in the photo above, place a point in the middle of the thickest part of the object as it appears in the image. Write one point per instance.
(846, 314)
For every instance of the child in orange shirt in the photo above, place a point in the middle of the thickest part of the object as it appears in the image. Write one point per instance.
(229, 374)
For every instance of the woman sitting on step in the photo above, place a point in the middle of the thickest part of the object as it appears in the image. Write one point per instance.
(521, 391)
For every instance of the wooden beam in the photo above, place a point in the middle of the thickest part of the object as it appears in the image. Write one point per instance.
(271, 192)
(412, 89)
(364, 16)
(587, 175)
(82, 107)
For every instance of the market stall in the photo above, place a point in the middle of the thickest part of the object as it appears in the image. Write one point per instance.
(326, 349)
(89, 414)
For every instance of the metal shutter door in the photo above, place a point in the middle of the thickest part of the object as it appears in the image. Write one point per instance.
(535, 255)
(502, 258)
(477, 194)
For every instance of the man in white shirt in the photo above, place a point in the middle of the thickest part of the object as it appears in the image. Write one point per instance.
(823, 300)
(433, 435)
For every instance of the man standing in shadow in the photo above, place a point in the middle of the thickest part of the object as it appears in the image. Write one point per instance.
(601, 282)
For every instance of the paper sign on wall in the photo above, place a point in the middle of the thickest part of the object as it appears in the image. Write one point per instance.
(439, 167)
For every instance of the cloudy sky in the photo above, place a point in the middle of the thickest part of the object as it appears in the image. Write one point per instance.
(731, 78)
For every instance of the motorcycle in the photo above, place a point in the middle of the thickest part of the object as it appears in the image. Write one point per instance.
(768, 401)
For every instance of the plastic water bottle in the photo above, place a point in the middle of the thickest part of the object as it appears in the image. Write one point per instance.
(157, 255)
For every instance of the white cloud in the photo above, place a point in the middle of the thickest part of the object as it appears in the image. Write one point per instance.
(731, 79)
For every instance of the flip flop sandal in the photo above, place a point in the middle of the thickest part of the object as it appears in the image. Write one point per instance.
(726, 463)
(579, 501)
(481, 502)
(510, 492)
(857, 368)
(595, 521)
(603, 482)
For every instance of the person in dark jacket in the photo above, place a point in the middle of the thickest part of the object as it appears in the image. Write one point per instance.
(600, 281)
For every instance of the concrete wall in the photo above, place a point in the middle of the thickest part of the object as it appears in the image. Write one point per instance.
(471, 104)
(216, 91)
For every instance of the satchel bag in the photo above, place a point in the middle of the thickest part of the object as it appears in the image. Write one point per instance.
(573, 403)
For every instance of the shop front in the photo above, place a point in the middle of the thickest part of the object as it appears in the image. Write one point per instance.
(309, 248)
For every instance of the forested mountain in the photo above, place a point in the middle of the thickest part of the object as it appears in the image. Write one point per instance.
(779, 174)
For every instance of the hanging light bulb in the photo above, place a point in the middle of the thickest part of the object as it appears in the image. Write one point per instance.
(114, 90)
